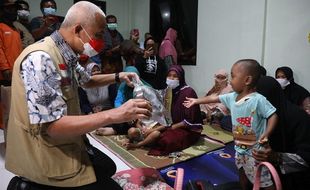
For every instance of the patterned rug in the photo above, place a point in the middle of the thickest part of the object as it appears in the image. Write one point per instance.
(138, 158)
(214, 132)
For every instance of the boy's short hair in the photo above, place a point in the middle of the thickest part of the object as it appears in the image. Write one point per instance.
(253, 68)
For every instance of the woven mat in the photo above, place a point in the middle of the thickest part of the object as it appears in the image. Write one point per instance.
(139, 158)
(216, 133)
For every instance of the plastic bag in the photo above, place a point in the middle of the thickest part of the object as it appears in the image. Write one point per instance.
(156, 98)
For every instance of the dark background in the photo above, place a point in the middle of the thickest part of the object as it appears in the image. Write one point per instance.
(183, 18)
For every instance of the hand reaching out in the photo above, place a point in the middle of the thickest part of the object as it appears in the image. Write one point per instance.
(128, 77)
(189, 102)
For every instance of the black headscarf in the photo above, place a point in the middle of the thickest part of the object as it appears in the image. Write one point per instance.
(293, 92)
(288, 73)
(292, 133)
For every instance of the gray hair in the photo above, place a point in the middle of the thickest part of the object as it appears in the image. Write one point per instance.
(82, 12)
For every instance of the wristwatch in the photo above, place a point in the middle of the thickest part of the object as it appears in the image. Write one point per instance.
(117, 79)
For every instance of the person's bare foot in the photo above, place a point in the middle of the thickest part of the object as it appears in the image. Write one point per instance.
(124, 142)
(105, 131)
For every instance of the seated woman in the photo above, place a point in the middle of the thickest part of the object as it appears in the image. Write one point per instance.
(93, 100)
(294, 93)
(187, 123)
(289, 145)
(216, 111)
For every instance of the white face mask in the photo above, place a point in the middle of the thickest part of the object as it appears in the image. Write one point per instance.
(23, 14)
(172, 83)
(283, 82)
(89, 50)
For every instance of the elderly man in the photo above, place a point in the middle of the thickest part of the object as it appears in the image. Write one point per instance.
(45, 144)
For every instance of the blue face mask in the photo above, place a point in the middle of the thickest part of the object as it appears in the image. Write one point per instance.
(49, 11)
(112, 26)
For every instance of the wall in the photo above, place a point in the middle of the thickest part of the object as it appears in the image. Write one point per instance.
(130, 14)
(287, 43)
(227, 31)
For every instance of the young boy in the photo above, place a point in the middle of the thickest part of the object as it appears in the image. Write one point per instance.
(250, 113)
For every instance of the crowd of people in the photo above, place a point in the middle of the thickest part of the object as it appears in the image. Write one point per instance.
(75, 74)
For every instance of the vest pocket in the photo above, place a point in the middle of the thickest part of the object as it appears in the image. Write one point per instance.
(52, 158)
(60, 161)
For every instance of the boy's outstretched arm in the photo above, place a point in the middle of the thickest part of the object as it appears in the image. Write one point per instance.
(189, 102)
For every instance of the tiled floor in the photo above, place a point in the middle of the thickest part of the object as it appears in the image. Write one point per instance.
(5, 175)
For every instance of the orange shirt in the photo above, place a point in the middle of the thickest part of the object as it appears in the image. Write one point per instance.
(10, 47)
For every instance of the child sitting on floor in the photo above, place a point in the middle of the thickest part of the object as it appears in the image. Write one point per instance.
(147, 131)
(253, 118)
(143, 133)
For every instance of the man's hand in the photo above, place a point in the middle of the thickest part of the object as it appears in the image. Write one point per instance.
(134, 109)
(189, 102)
(128, 77)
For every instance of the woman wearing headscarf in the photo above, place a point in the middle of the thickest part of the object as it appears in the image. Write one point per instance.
(187, 123)
(294, 92)
(289, 145)
(93, 100)
(167, 49)
(216, 111)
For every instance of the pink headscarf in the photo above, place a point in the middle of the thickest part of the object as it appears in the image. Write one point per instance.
(167, 45)
(222, 86)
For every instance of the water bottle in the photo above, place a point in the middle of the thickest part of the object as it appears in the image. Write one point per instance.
(84, 76)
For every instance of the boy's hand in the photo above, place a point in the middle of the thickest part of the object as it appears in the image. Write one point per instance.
(189, 102)
(263, 140)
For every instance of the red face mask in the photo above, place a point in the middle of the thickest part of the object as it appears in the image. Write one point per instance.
(93, 47)
(97, 44)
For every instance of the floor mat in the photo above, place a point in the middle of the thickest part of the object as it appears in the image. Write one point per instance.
(218, 134)
(139, 158)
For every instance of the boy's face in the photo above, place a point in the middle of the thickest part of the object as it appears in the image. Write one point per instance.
(238, 78)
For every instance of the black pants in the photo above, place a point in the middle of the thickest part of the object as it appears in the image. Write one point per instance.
(104, 168)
